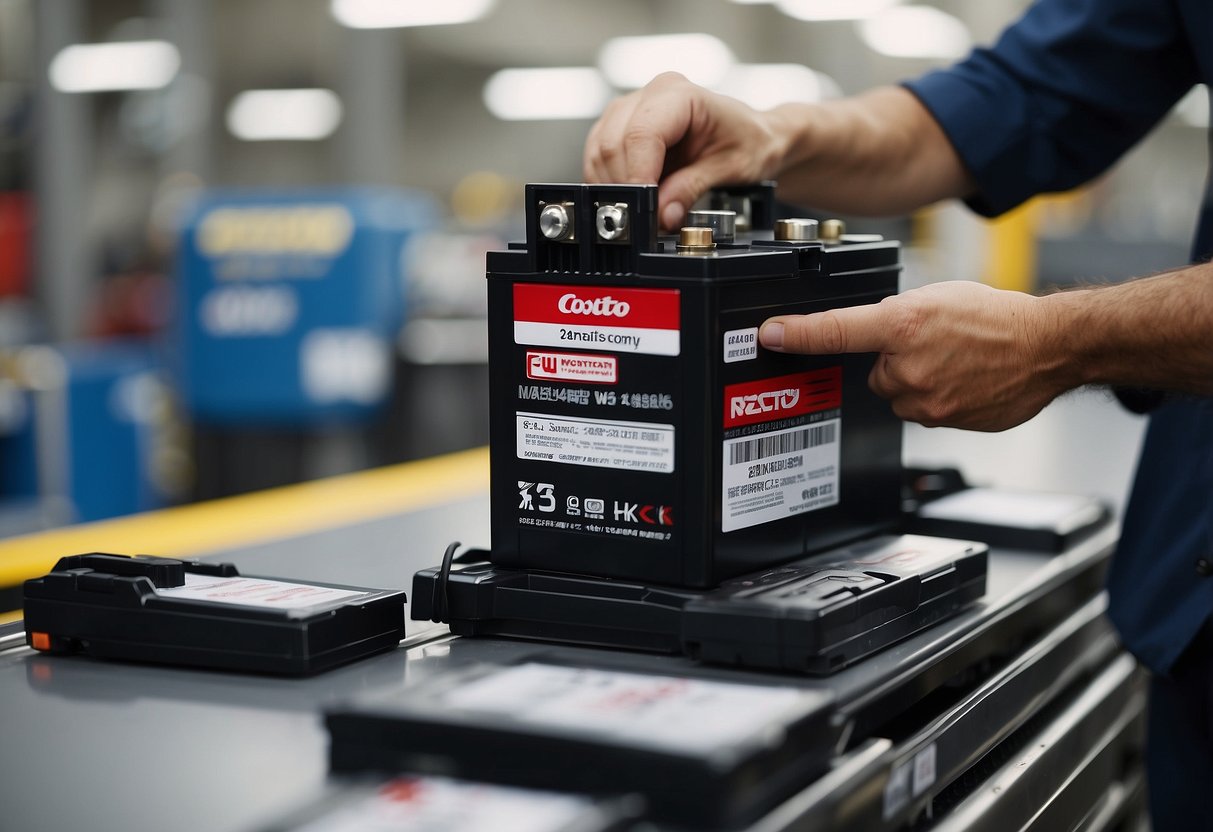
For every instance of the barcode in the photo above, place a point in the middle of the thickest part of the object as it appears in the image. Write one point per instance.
(783, 443)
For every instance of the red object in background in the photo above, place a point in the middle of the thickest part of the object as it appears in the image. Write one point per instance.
(135, 303)
(16, 242)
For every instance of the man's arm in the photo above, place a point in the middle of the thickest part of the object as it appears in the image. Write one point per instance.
(964, 355)
(877, 153)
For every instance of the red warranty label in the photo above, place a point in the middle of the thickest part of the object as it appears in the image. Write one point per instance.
(565, 366)
(781, 397)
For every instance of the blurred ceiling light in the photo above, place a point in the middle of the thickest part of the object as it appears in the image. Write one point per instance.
(1193, 108)
(284, 115)
(764, 86)
(107, 67)
(547, 93)
(833, 9)
(916, 32)
(394, 14)
(632, 62)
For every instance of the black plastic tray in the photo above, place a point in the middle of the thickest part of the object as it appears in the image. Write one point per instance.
(815, 615)
(161, 610)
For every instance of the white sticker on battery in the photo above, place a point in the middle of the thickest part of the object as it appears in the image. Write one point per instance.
(924, 769)
(740, 345)
(778, 474)
(437, 803)
(897, 789)
(597, 443)
(669, 713)
(258, 592)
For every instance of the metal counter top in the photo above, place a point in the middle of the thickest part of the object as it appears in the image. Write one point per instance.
(99, 745)
(106, 745)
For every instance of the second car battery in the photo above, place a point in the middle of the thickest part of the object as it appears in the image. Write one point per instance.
(639, 431)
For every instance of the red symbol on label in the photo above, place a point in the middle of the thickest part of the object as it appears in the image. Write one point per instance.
(769, 399)
(664, 516)
(567, 366)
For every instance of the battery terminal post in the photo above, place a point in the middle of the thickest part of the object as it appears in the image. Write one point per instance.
(694, 239)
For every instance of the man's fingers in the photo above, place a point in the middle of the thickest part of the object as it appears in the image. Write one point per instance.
(604, 159)
(685, 185)
(850, 329)
(630, 141)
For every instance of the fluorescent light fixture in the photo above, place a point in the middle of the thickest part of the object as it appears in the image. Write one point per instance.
(396, 14)
(1193, 108)
(764, 86)
(108, 67)
(916, 32)
(547, 93)
(833, 9)
(632, 62)
(284, 115)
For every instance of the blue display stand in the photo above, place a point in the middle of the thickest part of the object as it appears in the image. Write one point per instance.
(289, 303)
(92, 433)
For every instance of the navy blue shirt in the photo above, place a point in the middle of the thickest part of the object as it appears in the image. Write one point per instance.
(1061, 96)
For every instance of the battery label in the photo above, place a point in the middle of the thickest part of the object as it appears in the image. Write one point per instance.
(257, 592)
(782, 397)
(740, 345)
(615, 318)
(563, 366)
(668, 713)
(780, 455)
(437, 803)
(597, 443)
(779, 474)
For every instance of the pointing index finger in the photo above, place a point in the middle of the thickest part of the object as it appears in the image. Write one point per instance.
(849, 329)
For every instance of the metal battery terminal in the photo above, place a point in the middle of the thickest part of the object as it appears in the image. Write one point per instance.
(796, 230)
(611, 219)
(556, 222)
(832, 230)
(695, 240)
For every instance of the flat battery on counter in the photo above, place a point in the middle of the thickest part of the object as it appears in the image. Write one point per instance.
(440, 804)
(702, 753)
(162, 610)
(1033, 520)
(814, 615)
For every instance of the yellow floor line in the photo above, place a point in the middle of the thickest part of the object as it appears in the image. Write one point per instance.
(255, 518)
(6, 617)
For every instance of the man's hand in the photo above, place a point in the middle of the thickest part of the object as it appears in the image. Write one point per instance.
(954, 354)
(685, 137)
(878, 153)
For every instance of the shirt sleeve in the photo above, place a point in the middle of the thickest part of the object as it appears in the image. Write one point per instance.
(1062, 95)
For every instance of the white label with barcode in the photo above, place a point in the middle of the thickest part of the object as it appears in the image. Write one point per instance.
(769, 476)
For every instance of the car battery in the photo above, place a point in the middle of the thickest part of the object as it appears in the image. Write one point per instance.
(637, 428)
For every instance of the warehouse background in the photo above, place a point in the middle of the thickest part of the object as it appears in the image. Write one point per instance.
(119, 119)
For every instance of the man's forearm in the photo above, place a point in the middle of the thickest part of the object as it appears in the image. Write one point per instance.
(879, 153)
(1156, 332)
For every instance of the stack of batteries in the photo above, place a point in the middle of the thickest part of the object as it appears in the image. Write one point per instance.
(660, 482)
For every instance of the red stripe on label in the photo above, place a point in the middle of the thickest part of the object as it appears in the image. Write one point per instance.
(781, 397)
(598, 305)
